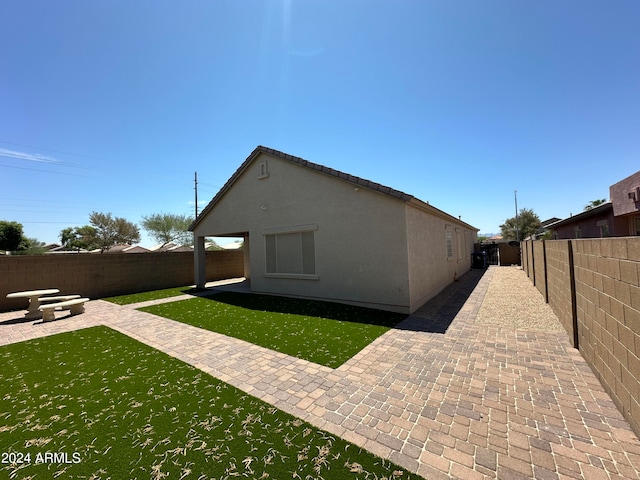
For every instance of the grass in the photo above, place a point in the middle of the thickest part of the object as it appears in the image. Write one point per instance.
(152, 295)
(120, 409)
(325, 333)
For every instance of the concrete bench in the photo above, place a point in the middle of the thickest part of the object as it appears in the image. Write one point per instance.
(58, 298)
(34, 301)
(76, 307)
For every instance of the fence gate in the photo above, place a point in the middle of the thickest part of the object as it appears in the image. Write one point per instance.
(491, 251)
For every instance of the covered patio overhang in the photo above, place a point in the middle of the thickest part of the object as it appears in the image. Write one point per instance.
(199, 257)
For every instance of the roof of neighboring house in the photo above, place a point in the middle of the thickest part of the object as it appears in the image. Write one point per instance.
(551, 221)
(162, 246)
(123, 248)
(171, 247)
(232, 246)
(54, 248)
(592, 212)
(360, 182)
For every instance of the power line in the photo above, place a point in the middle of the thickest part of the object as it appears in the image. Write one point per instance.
(48, 171)
(54, 223)
(51, 150)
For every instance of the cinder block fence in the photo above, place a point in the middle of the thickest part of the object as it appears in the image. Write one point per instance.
(102, 275)
(593, 287)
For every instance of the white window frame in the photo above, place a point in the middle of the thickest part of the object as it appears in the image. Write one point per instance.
(306, 261)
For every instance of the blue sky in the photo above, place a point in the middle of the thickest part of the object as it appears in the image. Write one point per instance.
(112, 106)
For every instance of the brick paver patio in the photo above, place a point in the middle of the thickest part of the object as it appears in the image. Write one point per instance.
(474, 402)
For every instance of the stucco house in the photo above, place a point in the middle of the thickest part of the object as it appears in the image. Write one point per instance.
(625, 197)
(619, 217)
(313, 232)
(597, 222)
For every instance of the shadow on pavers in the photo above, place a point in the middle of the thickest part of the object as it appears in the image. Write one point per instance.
(14, 321)
(437, 314)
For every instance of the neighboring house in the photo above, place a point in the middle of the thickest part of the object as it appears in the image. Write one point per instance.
(236, 245)
(545, 227)
(313, 232)
(618, 218)
(597, 222)
(625, 197)
(171, 247)
(123, 248)
(56, 248)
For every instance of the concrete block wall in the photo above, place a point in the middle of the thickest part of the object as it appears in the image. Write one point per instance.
(102, 275)
(606, 309)
(527, 253)
(539, 269)
(561, 286)
(608, 306)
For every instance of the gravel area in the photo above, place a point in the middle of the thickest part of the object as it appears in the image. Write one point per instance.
(512, 301)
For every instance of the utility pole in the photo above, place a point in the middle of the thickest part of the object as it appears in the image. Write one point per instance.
(195, 179)
(515, 195)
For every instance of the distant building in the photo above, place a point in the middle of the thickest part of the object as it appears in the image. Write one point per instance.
(171, 247)
(619, 217)
(625, 197)
(124, 248)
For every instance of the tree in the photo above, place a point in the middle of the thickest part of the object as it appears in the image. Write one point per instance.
(166, 227)
(110, 230)
(31, 246)
(77, 238)
(11, 235)
(526, 224)
(595, 203)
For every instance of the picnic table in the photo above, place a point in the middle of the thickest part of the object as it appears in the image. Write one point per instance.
(34, 301)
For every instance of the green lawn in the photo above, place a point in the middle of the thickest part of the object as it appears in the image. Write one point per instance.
(321, 332)
(108, 406)
(152, 295)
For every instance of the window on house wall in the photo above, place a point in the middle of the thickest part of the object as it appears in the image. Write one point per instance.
(578, 232)
(449, 237)
(636, 223)
(603, 226)
(290, 253)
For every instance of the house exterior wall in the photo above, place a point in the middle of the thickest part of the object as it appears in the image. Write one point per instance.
(430, 267)
(359, 235)
(625, 195)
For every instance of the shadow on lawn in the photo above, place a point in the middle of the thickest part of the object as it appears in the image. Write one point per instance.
(437, 314)
(309, 308)
(434, 317)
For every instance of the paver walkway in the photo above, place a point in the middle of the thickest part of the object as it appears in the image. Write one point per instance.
(474, 402)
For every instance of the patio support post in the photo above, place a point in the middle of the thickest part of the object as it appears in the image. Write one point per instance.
(247, 257)
(200, 261)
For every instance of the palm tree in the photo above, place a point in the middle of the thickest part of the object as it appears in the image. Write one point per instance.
(595, 203)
